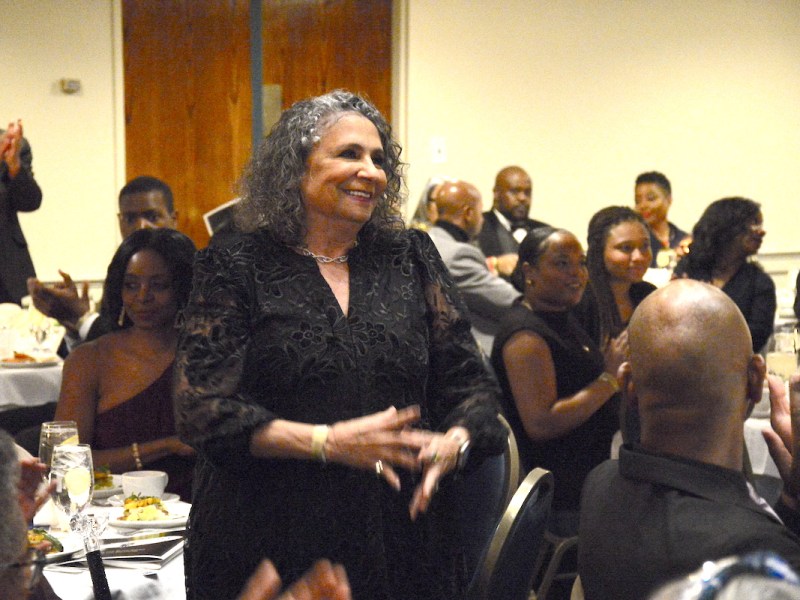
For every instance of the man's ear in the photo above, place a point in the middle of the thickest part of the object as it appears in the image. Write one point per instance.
(756, 372)
(625, 378)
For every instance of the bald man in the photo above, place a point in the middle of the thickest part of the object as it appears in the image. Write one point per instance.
(507, 224)
(679, 498)
(486, 295)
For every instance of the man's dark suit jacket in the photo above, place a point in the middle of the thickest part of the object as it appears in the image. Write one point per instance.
(494, 239)
(21, 194)
(649, 518)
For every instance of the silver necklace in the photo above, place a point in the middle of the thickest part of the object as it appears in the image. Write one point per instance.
(324, 260)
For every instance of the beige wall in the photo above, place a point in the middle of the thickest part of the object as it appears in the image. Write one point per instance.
(78, 154)
(586, 94)
(583, 94)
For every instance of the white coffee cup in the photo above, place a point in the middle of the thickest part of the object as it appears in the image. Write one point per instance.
(144, 483)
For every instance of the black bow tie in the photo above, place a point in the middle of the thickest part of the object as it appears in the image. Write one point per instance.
(518, 225)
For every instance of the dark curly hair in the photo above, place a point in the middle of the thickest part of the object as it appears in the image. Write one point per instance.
(721, 222)
(600, 225)
(270, 187)
(176, 249)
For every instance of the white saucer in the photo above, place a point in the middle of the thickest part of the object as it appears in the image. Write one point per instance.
(119, 499)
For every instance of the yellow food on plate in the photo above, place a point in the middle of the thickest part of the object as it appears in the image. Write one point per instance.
(144, 508)
(103, 480)
(38, 536)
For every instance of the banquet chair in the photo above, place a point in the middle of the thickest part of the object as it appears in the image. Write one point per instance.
(506, 568)
(481, 496)
(551, 553)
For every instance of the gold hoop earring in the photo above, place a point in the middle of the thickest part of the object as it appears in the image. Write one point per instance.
(121, 320)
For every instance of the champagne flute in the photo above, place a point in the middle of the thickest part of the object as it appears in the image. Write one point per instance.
(782, 355)
(55, 433)
(71, 470)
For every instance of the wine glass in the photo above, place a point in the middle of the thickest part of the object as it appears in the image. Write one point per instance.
(782, 354)
(71, 471)
(55, 433)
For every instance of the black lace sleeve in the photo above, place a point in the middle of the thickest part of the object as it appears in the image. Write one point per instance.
(212, 414)
(461, 389)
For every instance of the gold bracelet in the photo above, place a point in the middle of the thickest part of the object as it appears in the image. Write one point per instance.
(137, 458)
(610, 380)
(319, 435)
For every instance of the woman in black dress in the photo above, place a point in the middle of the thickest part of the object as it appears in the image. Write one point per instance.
(311, 344)
(556, 382)
(729, 232)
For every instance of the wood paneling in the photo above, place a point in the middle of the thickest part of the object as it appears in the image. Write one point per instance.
(314, 46)
(188, 100)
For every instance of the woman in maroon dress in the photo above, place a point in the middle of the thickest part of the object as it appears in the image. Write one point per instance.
(118, 387)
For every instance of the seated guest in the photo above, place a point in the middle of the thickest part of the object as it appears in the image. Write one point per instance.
(507, 224)
(729, 232)
(653, 195)
(118, 388)
(617, 257)
(679, 498)
(556, 382)
(487, 296)
(426, 214)
(144, 203)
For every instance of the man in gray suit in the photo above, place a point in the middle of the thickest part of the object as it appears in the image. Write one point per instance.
(460, 219)
(19, 192)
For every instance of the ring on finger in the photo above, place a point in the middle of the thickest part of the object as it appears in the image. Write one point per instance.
(379, 468)
(435, 458)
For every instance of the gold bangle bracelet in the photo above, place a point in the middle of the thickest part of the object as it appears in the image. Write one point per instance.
(610, 380)
(319, 435)
(137, 458)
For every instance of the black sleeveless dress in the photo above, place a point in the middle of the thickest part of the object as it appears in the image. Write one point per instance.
(577, 362)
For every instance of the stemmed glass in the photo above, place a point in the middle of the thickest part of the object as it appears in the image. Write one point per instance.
(71, 470)
(55, 433)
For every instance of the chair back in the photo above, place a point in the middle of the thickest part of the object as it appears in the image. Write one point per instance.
(481, 496)
(507, 566)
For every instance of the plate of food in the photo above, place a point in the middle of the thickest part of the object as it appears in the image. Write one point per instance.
(106, 484)
(61, 546)
(20, 360)
(145, 512)
(120, 499)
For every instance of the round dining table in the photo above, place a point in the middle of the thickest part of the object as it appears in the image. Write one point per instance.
(25, 386)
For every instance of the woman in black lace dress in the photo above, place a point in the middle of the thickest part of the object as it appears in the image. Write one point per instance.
(311, 345)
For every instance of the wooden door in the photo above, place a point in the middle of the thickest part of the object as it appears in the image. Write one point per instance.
(188, 107)
(313, 46)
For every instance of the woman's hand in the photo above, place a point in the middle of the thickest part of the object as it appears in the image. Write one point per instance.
(438, 457)
(379, 442)
(32, 494)
(616, 352)
(178, 448)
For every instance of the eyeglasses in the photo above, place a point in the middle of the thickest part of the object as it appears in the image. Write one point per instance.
(31, 567)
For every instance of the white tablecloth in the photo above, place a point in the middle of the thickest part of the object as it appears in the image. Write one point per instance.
(77, 584)
(29, 387)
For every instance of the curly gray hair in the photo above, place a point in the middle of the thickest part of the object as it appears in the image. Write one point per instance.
(12, 525)
(271, 196)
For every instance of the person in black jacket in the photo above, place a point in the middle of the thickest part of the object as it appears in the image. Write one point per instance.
(728, 234)
(19, 192)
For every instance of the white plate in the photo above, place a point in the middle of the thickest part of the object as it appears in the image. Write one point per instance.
(71, 542)
(116, 488)
(179, 513)
(119, 499)
(30, 365)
